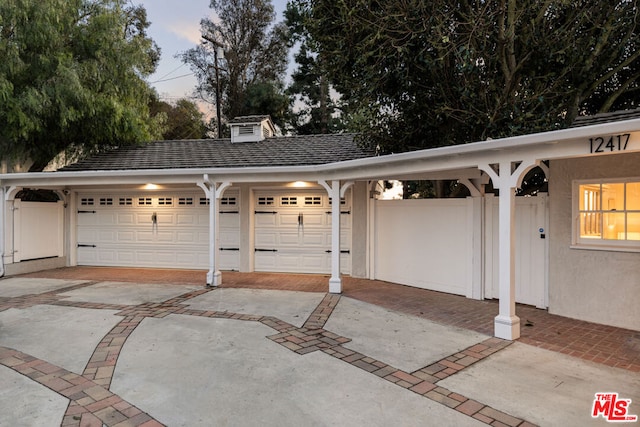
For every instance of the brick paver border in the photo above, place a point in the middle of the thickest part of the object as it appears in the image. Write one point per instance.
(92, 404)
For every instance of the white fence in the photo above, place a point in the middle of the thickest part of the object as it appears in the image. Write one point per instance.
(39, 230)
(451, 245)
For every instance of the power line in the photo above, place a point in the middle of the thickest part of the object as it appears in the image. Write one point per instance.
(172, 78)
(173, 71)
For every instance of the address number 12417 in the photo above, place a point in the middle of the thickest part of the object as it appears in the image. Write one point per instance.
(612, 143)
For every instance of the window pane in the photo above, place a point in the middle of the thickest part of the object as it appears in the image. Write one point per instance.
(590, 197)
(613, 197)
(613, 226)
(633, 226)
(633, 196)
(590, 225)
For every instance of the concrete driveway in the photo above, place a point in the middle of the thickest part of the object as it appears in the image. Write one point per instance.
(85, 353)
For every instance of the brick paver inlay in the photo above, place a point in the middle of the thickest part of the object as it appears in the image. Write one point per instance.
(91, 403)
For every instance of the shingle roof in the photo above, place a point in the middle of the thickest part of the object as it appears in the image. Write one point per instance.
(250, 119)
(218, 153)
(615, 116)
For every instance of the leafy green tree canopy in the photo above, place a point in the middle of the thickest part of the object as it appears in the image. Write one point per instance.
(316, 112)
(72, 77)
(429, 73)
(184, 120)
(252, 69)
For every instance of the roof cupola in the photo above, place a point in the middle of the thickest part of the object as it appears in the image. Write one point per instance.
(251, 128)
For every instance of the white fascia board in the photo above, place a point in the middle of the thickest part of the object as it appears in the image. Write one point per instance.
(565, 143)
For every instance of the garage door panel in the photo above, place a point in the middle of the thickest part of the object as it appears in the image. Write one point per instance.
(229, 221)
(265, 261)
(228, 238)
(287, 219)
(107, 236)
(165, 219)
(203, 220)
(315, 220)
(266, 238)
(87, 218)
(315, 263)
(317, 240)
(144, 236)
(86, 235)
(186, 237)
(166, 237)
(186, 219)
(126, 219)
(124, 234)
(287, 239)
(288, 261)
(299, 231)
(266, 220)
(106, 218)
(145, 257)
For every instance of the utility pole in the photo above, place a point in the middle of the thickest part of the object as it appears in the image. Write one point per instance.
(217, 51)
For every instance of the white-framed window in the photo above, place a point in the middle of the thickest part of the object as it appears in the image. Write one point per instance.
(607, 214)
(313, 200)
(266, 201)
(228, 201)
(288, 201)
(165, 201)
(145, 201)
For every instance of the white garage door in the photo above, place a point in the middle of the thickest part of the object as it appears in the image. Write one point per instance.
(158, 230)
(293, 232)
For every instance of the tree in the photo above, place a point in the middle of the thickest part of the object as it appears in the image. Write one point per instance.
(255, 58)
(72, 77)
(431, 73)
(317, 112)
(182, 121)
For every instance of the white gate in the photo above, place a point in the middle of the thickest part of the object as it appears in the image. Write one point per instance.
(39, 230)
(531, 269)
(428, 244)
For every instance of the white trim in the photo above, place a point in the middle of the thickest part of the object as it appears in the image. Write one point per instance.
(598, 244)
(573, 142)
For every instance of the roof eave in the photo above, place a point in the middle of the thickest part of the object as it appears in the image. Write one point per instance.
(572, 142)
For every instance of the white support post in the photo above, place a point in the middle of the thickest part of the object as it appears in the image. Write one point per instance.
(213, 191)
(335, 282)
(506, 323)
(3, 226)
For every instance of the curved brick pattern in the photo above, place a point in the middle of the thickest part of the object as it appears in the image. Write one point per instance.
(90, 403)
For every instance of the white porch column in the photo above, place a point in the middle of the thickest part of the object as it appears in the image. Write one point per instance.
(213, 191)
(506, 323)
(335, 192)
(3, 225)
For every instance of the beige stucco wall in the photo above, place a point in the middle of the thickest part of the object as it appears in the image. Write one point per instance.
(594, 285)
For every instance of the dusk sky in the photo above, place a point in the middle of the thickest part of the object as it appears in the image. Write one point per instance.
(175, 27)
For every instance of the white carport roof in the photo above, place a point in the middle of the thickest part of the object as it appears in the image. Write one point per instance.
(459, 160)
